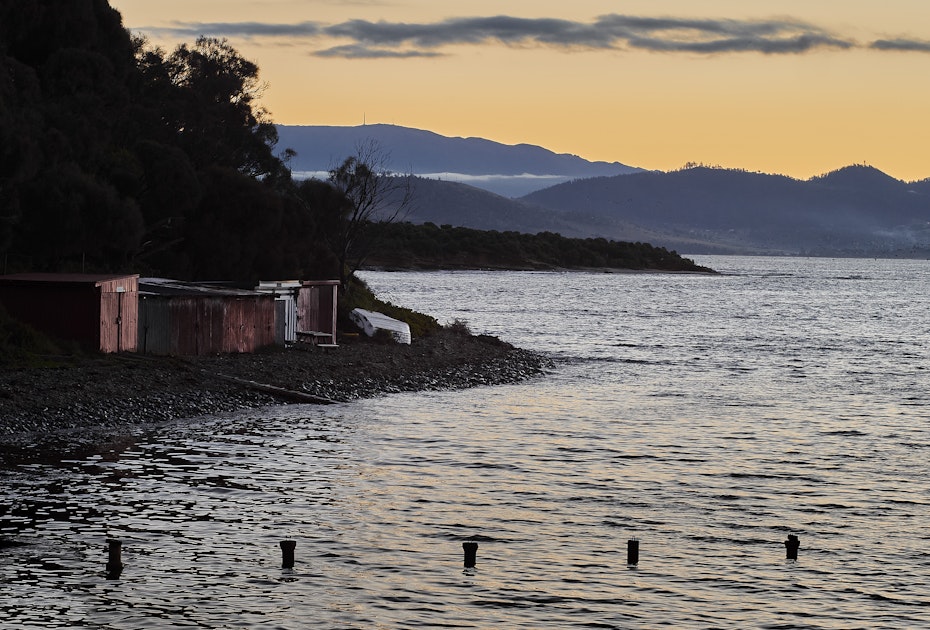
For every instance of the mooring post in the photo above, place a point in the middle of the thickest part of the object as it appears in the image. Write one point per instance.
(287, 553)
(471, 553)
(632, 551)
(114, 559)
(791, 547)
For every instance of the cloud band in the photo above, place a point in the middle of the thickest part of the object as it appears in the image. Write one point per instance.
(382, 39)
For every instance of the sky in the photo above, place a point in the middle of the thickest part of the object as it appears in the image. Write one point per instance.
(794, 87)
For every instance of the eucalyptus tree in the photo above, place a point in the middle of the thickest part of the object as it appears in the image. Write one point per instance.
(215, 111)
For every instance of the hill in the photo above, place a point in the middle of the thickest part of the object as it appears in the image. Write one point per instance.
(461, 205)
(857, 210)
(509, 170)
(854, 211)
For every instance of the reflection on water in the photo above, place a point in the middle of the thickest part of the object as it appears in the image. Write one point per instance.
(709, 438)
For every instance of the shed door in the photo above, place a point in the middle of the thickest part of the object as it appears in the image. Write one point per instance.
(119, 321)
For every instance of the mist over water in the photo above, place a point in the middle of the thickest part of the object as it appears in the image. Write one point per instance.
(504, 185)
(707, 416)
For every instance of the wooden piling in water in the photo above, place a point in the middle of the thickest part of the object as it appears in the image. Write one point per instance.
(471, 554)
(114, 559)
(632, 551)
(287, 553)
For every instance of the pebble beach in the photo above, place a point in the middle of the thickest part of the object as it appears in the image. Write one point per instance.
(101, 403)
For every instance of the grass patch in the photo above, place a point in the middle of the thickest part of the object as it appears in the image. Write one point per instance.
(361, 296)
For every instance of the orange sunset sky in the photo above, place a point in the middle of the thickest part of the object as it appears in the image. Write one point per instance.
(797, 87)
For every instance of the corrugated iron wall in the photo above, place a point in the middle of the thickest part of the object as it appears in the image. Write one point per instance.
(249, 324)
(198, 325)
(154, 325)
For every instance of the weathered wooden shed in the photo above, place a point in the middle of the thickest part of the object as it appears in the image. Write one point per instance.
(285, 294)
(316, 310)
(97, 311)
(182, 318)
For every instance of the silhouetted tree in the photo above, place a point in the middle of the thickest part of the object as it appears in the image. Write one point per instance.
(215, 114)
(324, 208)
(373, 196)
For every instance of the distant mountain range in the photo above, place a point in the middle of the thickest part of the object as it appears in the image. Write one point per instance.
(508, 170)
(853, 211)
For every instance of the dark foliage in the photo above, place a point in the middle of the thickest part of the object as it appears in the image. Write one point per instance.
(115, 156)
(23, 346)
(429, 246)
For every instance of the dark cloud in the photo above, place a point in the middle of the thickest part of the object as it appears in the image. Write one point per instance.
(356, 51)
(906, 45)
(369, 40)
(720, 36)
(781, 45)
(502, 28)
(239, 29)
(615, 32)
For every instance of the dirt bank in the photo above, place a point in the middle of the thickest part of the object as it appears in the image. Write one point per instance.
(95, 404)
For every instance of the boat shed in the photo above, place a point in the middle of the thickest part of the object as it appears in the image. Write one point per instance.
(316, 311)
(183, 318)
(97, 311)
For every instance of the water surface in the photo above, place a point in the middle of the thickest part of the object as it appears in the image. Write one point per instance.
(707, 416)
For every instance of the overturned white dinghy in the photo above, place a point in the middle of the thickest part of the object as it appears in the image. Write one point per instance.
(371, 322)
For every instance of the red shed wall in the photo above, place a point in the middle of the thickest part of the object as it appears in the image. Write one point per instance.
(248, 324)
(119, 315)
(316, 307)
(214, 325)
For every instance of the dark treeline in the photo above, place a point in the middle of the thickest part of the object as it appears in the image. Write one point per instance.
(118, 156)
(427, 246)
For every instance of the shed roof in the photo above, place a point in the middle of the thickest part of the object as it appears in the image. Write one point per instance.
(169, 287)
(279, 287)
(278, 284)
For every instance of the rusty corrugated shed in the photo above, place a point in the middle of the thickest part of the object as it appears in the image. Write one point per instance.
(98, 311)
(316, 308)
(179, 318)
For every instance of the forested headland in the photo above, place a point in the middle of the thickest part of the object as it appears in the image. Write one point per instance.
(118, 156)
(428, 246)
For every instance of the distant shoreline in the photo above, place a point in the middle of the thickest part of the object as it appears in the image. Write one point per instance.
(605, 270)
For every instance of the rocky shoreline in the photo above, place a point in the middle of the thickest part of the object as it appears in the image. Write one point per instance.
(100, 403)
